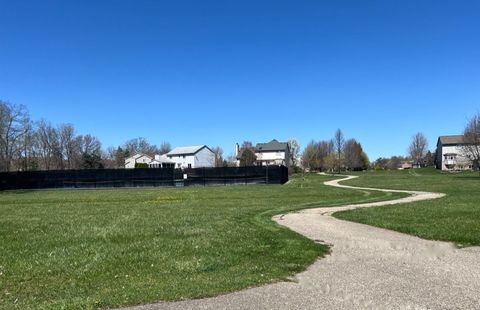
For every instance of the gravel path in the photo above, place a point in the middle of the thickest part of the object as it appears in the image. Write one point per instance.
(369, 268)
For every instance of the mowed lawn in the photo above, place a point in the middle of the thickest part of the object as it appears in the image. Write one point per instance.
(106, 248)
(455, 217)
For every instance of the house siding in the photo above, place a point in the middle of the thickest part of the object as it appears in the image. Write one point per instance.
(461, 161)
(203, 158)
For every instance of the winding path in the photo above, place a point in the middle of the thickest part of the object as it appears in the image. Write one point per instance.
(368, 268)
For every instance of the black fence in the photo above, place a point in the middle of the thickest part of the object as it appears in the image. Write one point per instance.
(101, 178)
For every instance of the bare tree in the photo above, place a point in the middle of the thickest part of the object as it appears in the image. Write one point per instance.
(418, 147)
(70, 145)
(47, 145)
(294, 151)
(218, 152)
(13, 120)
(230, 161)
(471, 139)
(25, 155)
(247, 145)
(140, 145)
(165, 147)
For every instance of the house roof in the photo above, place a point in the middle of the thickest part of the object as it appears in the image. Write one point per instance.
(455, 139)
(187, 150)
(271, 146)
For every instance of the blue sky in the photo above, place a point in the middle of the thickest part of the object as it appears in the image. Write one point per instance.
(220, 72)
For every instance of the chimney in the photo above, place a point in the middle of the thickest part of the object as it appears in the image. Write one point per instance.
(237, 149)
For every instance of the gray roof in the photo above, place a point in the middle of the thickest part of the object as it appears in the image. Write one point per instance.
(271, 146)
(186, 150)
(456, 139)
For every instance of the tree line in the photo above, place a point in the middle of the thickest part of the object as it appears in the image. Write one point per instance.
(26, 145)
(38, 145)
(335, 154)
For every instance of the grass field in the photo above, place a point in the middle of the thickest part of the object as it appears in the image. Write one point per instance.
(106, 248)
(455, 217)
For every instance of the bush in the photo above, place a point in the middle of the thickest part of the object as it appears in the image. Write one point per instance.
(141, 165)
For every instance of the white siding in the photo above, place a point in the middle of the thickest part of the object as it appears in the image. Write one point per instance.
(204, 158)
(182, 161)
(461, 161)
(131, 161)
(272, 158)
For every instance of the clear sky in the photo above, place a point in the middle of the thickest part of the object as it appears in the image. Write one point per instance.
(220, 72)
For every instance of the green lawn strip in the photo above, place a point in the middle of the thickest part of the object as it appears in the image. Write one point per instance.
(113, 247)
(454, 218)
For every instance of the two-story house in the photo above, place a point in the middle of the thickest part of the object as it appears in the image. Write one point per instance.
(271, 153)
(450, 154)
(192, 156)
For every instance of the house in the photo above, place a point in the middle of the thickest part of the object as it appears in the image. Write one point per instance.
(192, 156)
(450, 154)
(271, 153)
(137, 159)
(161, 161)
(405, 165)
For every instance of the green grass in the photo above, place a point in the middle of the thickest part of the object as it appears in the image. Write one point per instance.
(106, 248)
(455, 217)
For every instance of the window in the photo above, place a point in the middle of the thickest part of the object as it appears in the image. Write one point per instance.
(189, 165)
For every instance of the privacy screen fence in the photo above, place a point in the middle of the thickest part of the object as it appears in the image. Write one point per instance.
(101, 178)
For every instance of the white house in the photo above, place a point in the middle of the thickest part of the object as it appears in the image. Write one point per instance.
(192, 156)
(161, 161)
(137, 159)
(450, 154)
(271, 153)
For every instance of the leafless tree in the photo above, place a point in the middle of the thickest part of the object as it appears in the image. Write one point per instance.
(418, 147)
(165, 147)
(218, 156)
(140, 145)
(13, 120)
(230, 161)
(70, 145)
(24, 158)
(90, 145)
(247, 145)
(294, 151)
(471, 139)
(47, 145)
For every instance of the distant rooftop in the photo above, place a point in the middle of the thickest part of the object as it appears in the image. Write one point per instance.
(271, 146)
(186, 150)
(455, 139)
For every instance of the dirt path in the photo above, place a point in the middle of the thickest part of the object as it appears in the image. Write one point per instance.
(369, 268)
